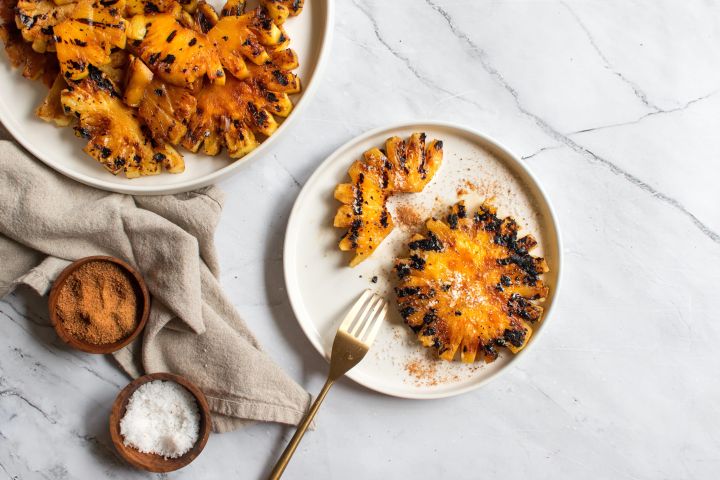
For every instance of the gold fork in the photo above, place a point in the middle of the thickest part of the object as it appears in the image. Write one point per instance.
(352, 341)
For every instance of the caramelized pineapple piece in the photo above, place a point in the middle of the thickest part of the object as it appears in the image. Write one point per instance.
(406, 168)
(244, 38)
(364, 212)
(36, 20)
(116, 69)
(176, 54)
(140, 7)
(115, 138)
(51, 109)
(172, 161)
(204, 17)
(280, 10)
(87, 38)
(166, 111)
(470, 286)
(231, 116)
(34, 65)
(233, 7)
(138, 78)
(411, 165)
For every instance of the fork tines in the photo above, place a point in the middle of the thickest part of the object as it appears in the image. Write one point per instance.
(365, 317)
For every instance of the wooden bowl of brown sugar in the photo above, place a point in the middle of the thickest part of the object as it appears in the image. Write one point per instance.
(99, 304)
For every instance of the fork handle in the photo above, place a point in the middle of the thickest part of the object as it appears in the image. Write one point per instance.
(290, 449)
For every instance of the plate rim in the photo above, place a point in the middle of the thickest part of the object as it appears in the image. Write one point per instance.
(289, 257)
(309, 91)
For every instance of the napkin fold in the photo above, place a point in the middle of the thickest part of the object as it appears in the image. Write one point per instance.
(47, 221)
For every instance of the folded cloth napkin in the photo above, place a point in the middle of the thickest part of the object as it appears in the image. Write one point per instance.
(47, 220)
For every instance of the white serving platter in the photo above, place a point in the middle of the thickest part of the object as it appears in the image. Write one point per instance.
(59, 148)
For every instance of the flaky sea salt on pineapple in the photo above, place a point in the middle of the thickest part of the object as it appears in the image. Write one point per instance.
(470, 285)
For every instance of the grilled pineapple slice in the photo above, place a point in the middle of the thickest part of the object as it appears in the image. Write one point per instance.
(51, 109)
(166, 111)
(280, 10)
(140, 7)
(233, 7)
(176, 54)
(34, 65)
(402, 167)
(204, 17)
(87, 38)
(138, 78)
(470, 285)
(230, 116)
(36, 20)
(115, 138)
(251, 36)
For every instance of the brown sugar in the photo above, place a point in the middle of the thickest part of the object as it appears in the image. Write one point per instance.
(98, 303)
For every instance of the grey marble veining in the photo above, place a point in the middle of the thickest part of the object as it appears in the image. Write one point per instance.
(614, 106)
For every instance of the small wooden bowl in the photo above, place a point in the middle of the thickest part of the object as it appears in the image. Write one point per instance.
(150, 461)
(140, 290)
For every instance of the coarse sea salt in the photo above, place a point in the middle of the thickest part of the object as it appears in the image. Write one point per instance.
(161, 417)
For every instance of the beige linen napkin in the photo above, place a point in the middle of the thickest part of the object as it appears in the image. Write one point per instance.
(47, 220)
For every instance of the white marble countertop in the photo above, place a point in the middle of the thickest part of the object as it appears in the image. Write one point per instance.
(615, 106)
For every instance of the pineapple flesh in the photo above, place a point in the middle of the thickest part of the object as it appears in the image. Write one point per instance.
(280, 10)
(87, 38)
(51, 109)
(231, 116)
(176, 54)
(403, 167)
(115, 138)
(37, 19)
(470, 285)
(33, 65)
(166, 111)
(250, 37)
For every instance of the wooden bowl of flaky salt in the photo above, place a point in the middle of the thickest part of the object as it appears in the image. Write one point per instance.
(99, 304)
(160, 422)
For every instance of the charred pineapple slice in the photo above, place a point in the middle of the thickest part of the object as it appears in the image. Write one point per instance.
(230, 116)
(51, 109)
(37, 19)
(138, 78)
(204, 17)
(140, 7)
(470, 285)
(87, 38)
(166, 110)
(115, 138)
(280, 10)
(233, 7)
(176, 54)
(364, 212)
(34, 65)
(402, 167)
(250, 37)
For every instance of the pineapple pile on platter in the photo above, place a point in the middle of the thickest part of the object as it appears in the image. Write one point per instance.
(137, 79)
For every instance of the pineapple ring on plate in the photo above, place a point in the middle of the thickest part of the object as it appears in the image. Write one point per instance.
(402, 167)
(470, 285)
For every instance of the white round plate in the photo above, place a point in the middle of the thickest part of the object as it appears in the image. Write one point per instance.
(310, 34)
(322, 286)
